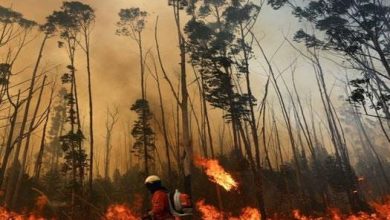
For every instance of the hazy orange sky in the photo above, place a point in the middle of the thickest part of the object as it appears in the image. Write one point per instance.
(115, 67)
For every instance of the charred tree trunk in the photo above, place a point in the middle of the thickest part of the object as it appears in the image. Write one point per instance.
(13, 176)
(38, 163)
(91, 155)
(10, 145)
(164, 125)
(27, 145)
(188, 165)
(111, 120)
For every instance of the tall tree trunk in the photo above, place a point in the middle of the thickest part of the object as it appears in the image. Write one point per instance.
(143, 92)
(356, 202)
(164, 125)
(87, 53)
(359, 122)
(108, 149)
(188, 164)
(6, 131)
(38, 163)
(111, 120)
(251, 105)
(13, 176)
(9, 147)
(27, 145)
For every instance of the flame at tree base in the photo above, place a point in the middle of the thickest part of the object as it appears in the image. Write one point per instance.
(9, 215)
(382, 212)
(209, 212)
(120, 212)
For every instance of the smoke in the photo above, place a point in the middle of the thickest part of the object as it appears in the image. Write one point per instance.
(116, 74)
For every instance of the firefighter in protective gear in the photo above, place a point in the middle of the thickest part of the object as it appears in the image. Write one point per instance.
(160, 200)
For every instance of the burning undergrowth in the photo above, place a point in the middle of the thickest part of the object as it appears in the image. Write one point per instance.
(209, 212)
(218, 175)
(37, 214)
(120, 212)
(123, 212)
(9, 215)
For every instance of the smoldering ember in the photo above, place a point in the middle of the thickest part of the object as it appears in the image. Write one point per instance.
(195, 109)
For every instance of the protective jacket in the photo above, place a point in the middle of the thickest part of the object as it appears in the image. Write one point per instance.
(160, 206)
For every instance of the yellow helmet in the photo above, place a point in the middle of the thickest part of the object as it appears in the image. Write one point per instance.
(152, 179)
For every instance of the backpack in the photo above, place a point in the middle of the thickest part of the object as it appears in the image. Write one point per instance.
(180, 204)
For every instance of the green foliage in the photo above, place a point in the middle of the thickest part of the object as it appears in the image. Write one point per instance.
(216, 48)
(132, 22)
(182, 4)
(73, 17)
(9, 16)
(277, 4)
(73, 151)
(81, 14)
(5, 72)
(142, 131)
(358, 30)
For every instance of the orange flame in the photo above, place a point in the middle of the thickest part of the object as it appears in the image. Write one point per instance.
(120, 212)
(7, 215)
(297, 215)
(382, 212)
(209, 212)
(217, 174)
(248, 213)
(40, 203)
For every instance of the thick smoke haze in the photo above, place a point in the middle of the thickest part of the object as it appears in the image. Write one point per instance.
(285, 112)
(115, 64)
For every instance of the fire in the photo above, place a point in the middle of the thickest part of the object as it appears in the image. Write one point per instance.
(382, 212)
(7, 215)
(297, 215)
(217, 174)
(40, 203)
(209, 212)
(248, 213)
(120, 212)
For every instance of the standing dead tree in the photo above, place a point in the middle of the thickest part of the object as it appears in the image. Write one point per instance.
(39, 159)
(27, 145)
(13, 182)
(14, 29)
(156, 77)
(111, 120)
(177, 7)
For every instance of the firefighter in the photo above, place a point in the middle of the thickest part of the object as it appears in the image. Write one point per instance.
(160, 200)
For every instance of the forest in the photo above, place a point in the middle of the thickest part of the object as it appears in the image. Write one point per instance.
(256, 109)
